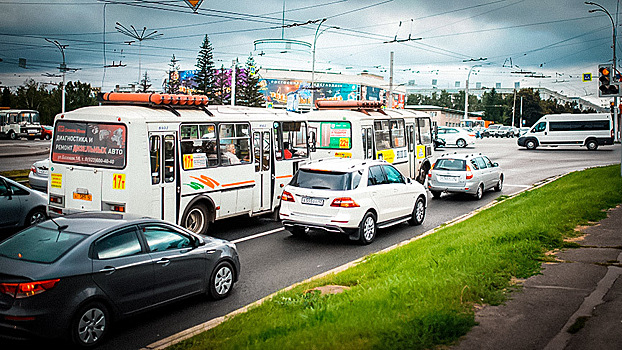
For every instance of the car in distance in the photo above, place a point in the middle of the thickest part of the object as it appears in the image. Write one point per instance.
(456, 136)
(491, 131)
(19, 205)
(38, 176)
(46, 132)
(505, 131)
(73, 276)
(464, 173)
(352, 197)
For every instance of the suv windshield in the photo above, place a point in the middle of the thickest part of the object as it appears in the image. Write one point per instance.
(450, 164)
(326, 180)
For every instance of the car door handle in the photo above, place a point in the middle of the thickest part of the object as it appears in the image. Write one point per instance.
(164, 262)
(108, 270)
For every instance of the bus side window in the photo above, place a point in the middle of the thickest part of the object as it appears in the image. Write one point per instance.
(257, 150)
(154, 155)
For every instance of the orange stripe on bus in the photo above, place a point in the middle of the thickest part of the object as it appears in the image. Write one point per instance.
(239, 183)
(284, 176)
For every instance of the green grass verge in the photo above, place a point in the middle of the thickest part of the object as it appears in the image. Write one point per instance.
(16, 175)
(422, 294)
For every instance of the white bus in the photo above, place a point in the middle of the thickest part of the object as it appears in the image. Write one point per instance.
(190, 165)
(362, 129)
(589, 130)
(16, 123)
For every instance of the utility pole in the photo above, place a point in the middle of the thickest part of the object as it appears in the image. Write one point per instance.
(390, 99)
(62, 68)
(514, 107)
(234, 66)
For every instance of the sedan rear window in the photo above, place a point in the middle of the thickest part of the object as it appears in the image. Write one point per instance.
(450, 164)
(39, 244)
(326, 180)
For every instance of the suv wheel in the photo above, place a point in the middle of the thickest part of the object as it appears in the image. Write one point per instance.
(367, 229)
(418, 214)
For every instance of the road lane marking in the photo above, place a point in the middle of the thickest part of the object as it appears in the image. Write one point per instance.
(261, 234)
(522, 186)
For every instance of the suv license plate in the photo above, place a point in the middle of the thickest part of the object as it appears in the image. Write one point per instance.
(312, 201)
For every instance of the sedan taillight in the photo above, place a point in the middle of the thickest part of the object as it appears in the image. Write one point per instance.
(287, 197)
(33, 169)
(27, 289)
(344, 202)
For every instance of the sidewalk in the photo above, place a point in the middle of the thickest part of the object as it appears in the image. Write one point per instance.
(575, 303)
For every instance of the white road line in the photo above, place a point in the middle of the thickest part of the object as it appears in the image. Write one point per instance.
(261, 234)
(521, 186)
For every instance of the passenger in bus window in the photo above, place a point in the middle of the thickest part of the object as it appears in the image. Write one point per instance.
(230, 154)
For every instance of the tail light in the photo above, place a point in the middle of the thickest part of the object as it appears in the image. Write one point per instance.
(287, 197)
(430, 172)
(27, 289)
(344, 202)
(469, 174)
(34, 169)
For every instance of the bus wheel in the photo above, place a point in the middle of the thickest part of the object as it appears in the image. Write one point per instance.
(12, 135)
(592, 145)
(196, 220)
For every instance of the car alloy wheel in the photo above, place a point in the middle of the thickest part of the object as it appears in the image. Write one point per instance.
(221, 282)
(499, 186)
(418, 214)
(90, 325)
(480, 192)
(461, 143)
(367, 229)
(37, 216)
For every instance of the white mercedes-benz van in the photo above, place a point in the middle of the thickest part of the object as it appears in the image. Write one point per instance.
(589, 130)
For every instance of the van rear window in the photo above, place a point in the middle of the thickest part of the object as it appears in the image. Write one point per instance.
(90, 144)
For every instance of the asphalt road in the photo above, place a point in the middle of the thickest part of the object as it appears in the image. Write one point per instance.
(272, 259)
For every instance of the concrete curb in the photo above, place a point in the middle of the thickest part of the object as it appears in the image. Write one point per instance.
(176, 338)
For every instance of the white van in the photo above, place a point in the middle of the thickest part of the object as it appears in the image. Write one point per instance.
(589, 130)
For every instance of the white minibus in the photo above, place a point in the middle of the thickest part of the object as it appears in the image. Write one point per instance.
(364, 130)
(589, 130)
(174, 158)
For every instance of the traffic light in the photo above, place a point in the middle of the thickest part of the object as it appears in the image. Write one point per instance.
(608, 85)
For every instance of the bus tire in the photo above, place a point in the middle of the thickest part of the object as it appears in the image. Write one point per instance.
(12, 135)
(591, 144)
(197, 219)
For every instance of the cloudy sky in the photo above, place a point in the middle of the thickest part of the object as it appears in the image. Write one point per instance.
(556, 41)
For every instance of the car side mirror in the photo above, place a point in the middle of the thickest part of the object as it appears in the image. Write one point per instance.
(408, 181)
(495, 164)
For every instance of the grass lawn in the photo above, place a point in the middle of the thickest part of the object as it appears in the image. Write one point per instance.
(424, 293)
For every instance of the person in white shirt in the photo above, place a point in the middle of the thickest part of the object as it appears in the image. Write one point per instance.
(230, 154)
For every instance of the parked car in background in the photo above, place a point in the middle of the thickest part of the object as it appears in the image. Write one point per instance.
(352, 197)
(456, 136)
(464, 173)
(19, 205)
(38, 176)
(490, 131)
(47, 132)
(74, 276)
(505, 131)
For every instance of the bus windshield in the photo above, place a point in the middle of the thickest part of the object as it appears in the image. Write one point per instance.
(90, 144)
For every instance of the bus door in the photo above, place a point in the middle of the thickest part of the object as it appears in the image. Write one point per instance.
(262, 146)
(412, 141)
(164, 175)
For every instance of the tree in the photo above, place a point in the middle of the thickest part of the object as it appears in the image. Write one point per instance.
(493, 106)
(205, 76)
(250, 95)
(172, 83)
(7, 98)
(222, 87)
(144, 83)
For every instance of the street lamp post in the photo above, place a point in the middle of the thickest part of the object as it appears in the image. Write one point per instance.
(317, 34)
(466, 93)
(62, 68)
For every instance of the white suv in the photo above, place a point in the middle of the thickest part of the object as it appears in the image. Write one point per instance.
(464, 173)
(353, 197)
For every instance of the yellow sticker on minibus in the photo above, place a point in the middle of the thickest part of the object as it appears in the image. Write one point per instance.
(118, 181)
(57, 180)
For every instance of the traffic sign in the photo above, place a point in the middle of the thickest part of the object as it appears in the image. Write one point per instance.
(194, 4)
(587, 77)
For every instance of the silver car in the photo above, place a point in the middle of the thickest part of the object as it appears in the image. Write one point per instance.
(464, 173)
(38, 176)
(20, 205)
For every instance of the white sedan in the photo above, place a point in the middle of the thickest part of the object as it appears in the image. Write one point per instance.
(456, 136)
(352, 197)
